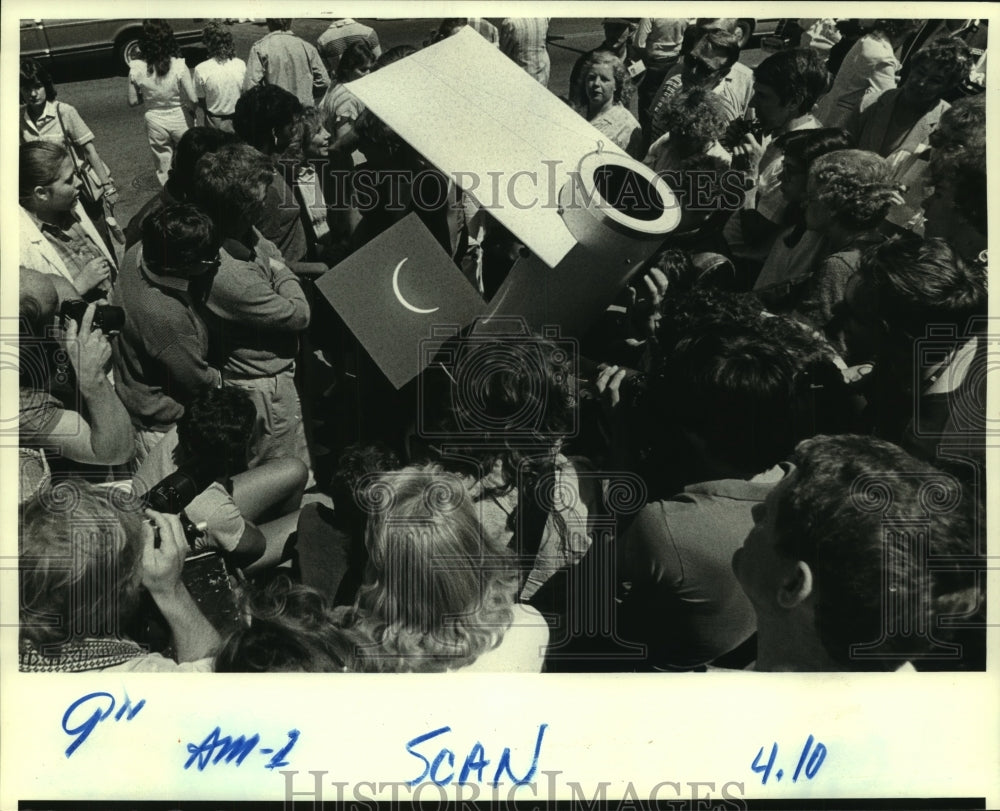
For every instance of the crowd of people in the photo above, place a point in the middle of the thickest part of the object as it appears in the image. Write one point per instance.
(768, 453)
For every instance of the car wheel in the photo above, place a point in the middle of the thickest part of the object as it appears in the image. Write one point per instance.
(127, 49)
(744, 30)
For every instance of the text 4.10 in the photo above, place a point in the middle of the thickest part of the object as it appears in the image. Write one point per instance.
(810, 760)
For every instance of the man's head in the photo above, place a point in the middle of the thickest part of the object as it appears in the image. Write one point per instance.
(955, 209)
(736, 393)
(180, 241)
(834, 550)
(786, 86)
(710, 59)
(268, 118)
(278, 23)
(216, 428)
(936, 70)
(80, 565)
(230, 186)
(194, 143)
(907, 284)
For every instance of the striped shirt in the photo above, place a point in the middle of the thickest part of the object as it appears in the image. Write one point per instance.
(523, 40)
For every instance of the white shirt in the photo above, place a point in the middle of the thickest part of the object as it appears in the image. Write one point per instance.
(220, 84)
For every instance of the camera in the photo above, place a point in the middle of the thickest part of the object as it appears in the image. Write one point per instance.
(497, 379)
(107, 318)
(173, 493)
(738, 129)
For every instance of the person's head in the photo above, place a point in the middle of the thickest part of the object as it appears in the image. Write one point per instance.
(194, 143)
(36, 83)
(604, 79)
(619, 31)
(230, 185)
(158, 46)
(268, 118)
(895, 30)
(438, 590)
(733, 392)
(907, 284)
(356, 467)
(38, 302)
(394, 55)
(695, 118)
(449, 27)
(291, 630)
(47, 179)
(357, 60)
(710, 59)
(799, 149)
(849, 188)
(786, 86)
(216, 428)
(829, 557)
(180, 241)
(218, 41)
(498, 395)
(80, 559)
(961, 127)
(936, 70)
(278, 23)
(315, 137)
(956, 207)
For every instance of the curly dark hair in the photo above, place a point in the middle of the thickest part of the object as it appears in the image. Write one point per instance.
(356, 55)
(218, 41)
(261, 112)
(291, 630)
(696, 115)
(158, 46)
(797, 75)
(949, 53)
(177, 238)
(835, 518)
(855, 185)
(216, 427)
(918, 282)
(33, 72)
(225, 185)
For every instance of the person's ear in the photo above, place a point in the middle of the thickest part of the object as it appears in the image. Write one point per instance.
(41, 194)
(796, 586)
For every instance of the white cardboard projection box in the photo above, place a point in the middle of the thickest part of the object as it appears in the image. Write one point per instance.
(588, 213)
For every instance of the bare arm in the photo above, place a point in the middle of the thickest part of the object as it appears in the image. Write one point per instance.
(193, 635)
(108, 438)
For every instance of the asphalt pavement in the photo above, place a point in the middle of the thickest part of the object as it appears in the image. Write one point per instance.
(120, 132)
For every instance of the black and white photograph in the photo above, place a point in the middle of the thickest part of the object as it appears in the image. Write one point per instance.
(593, 359)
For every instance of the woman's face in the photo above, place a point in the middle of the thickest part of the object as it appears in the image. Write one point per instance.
(793, 179)
(318, 144)
(33, 94)
(63, 192)
(927, 83)
(358, 72)
(600, 85)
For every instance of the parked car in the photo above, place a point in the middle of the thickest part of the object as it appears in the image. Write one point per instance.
(61, 41)
(747, 28)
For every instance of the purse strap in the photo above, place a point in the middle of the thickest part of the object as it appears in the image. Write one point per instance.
(70, 146)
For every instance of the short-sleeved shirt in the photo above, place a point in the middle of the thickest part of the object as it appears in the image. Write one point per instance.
(220, 84)
(341, 35)
(47, 128)
(339, 106)
(288, 61)
(159, 92)
(38, 413)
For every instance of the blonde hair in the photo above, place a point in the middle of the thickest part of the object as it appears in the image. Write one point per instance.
(438, 591)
